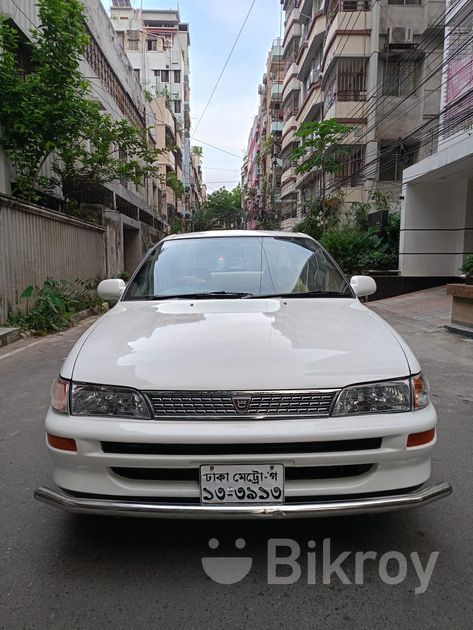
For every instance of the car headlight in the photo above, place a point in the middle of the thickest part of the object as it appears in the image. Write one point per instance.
(384, 397)
(104, 400)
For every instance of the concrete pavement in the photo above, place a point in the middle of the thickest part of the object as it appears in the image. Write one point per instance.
(59, 571)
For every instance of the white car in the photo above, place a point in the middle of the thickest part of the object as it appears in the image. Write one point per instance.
(239, 375)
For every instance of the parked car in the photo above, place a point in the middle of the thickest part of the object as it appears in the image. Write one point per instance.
(239, 375)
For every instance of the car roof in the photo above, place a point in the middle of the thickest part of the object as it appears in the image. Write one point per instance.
(217, 233)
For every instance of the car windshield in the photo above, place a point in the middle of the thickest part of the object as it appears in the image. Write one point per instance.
(238, 266)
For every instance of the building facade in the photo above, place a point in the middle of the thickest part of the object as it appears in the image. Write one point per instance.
(197, 189)
(134, 216)
(373, 66)
(262, 180)
(157, 45)
(437, 208)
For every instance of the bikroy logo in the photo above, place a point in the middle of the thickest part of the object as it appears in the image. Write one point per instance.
(227, 569)
(284, 557)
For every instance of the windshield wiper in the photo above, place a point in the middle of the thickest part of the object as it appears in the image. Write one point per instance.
(305, 294)
(200, 296)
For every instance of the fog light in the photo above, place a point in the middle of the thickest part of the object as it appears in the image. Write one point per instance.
(62, 443)
(417, 439)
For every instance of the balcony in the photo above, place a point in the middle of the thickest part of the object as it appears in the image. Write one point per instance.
(290, 71)
(292, 27)
(312, 102)
(276, 52)
(288, 176)
(289, 140)
(344, 109)
(288, 189)
(348, 6)
(353, 17)
(311, 40)
(291, 86)
(276, 92)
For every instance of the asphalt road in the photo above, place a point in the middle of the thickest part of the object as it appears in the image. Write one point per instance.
(61, 571)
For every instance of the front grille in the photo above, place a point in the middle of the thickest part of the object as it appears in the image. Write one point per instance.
(291, 472)
(253, 405)
(278, 448)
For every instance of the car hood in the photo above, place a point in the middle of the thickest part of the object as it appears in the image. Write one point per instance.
(238, 345)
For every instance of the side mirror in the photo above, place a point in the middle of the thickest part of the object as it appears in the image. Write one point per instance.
(363, 285)
(111, 289)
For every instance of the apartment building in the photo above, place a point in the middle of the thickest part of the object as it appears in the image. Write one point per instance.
(437, 206)
(134, 216)
(197, 189)
(168, 137)
(157, 45)
(373, 66)
(262, 182)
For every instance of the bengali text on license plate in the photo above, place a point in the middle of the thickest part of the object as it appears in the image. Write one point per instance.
(242, 483)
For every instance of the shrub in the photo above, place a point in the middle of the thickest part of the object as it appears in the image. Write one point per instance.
(467, 267)
(358, 250)
(361, 211)
(349, 246)
(54, 304)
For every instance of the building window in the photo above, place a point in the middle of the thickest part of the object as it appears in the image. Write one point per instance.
(177, 107)
(352, 166)
(330, 91)
(401, 77)
(152, 44)
(407, 3)
(351, 80)
(156, 73)
(394, 158)
(165, 76)
(133, 40)
(137, 73)
(177, 76)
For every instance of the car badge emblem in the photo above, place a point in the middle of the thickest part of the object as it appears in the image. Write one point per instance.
(241, 404)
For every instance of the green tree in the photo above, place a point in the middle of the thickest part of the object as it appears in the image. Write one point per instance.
(118, 150)
(47, 111)
(321, 215)
(204, 219)
(225, 207)
(320, 148)
(42, 109)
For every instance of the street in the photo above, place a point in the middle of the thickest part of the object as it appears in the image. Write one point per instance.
(63, 571)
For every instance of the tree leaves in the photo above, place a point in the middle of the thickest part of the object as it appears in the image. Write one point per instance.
(28, 292)
(320, 146)
(41, 105)
(46, 110)
(225, 207)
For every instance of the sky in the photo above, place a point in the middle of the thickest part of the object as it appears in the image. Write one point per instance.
(214, 25)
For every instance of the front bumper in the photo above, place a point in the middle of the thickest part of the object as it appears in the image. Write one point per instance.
(148, 509)
(110, 449)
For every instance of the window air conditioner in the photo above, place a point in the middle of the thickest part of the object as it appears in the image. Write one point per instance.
(400, 36)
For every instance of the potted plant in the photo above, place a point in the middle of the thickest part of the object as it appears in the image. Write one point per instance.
(467, 269)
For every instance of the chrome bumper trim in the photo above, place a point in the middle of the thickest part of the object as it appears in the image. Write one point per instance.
(121, 507)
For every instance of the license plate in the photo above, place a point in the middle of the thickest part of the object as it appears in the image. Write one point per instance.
(261, 483)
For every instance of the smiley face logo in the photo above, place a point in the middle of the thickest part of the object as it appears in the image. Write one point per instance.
(227, 569)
